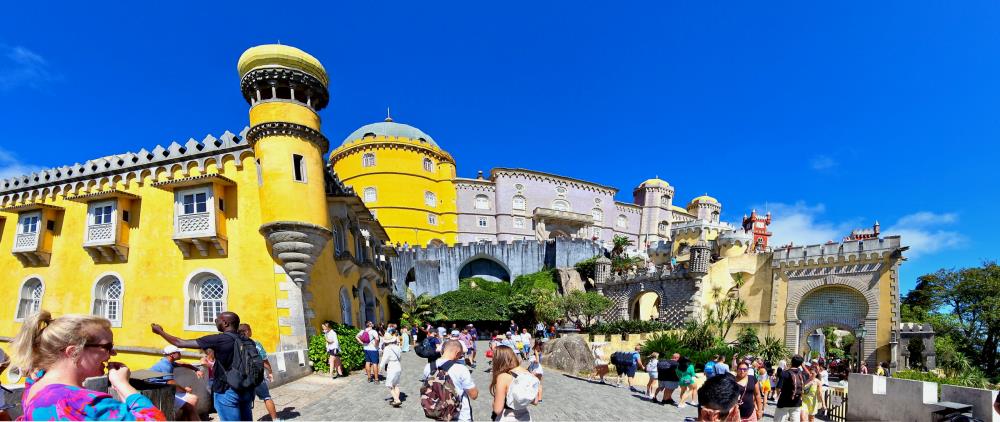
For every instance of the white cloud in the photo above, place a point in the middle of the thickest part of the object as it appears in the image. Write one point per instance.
(921, 231)
(10, 166)
(803, 224)
(20, 66)
(822, 162)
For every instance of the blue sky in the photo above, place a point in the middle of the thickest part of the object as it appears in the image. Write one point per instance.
(830, 115)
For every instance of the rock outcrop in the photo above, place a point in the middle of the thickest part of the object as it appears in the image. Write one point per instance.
(569, 354)
(569, 280)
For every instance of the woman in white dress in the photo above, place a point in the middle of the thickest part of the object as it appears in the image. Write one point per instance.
(391, 353)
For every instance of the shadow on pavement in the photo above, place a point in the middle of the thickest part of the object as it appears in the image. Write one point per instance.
(284, 414)
(588, 380)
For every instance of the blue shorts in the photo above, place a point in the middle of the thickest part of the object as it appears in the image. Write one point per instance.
(262, 391)
(371, 356)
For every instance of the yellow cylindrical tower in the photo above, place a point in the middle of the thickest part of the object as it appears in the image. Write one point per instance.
(285, 88)
(405, 178)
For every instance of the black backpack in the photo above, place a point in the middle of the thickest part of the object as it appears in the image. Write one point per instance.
(618, 359)
(426, 349)
(247, 369)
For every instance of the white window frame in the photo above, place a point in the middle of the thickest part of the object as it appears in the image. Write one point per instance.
(368, 159)
(373, 192)
(622, 221)
(430, 199)
(194, 280)
(519, 202)
(598, 215)
(663, 227)
(518, 222)
(93, 216)
(35, 304)
(99, 298)
(482, 202)
(557, 205)
(432, 219)
(179, 211)
(35, 219)
(482, 222)
(428, 165)
(299, 165)
(595, 232)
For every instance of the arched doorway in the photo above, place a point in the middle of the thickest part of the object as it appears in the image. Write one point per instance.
(645, 306)
(484, 268)
(838, 307)
(558, 234)
(411, 280)
(435, 243)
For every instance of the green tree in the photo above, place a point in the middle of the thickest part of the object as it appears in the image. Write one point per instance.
(619, 245)
(548, 307)
(728, 307)
(418, 309)
(594, 305)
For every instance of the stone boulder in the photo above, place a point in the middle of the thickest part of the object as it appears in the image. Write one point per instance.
(569, 280)
(569, 354)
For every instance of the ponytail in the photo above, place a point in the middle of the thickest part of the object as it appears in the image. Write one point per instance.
(42, 339)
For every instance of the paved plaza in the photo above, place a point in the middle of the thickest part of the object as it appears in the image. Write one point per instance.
(565, 397)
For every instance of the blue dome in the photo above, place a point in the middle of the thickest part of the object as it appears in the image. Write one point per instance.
(390, 128)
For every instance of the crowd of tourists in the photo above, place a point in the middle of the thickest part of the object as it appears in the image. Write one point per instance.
(448, 389)
(725, 387)
(58, 354)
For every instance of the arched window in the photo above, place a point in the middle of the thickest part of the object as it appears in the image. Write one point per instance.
(622, 221)
(715, 216)
(665, 201)
(597, 214)
(519, 202)
(360, 251)
(338, 239)
(31, 298)
(108, 299)
(368, 160)
(482, 202)
(428, 165)
(206, 299)
(345, 307)
(663, 227)
(560, 205)
(370, 195)
(430, 199)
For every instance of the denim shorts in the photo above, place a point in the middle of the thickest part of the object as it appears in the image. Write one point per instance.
(371, 356)
(262, 391)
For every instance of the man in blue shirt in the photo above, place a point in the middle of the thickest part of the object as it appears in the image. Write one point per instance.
(710, 367)
(184, 402)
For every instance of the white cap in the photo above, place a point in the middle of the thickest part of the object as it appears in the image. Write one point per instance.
(170, 349)
(454, 333)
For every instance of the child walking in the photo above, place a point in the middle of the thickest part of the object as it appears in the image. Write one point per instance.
(651, 370)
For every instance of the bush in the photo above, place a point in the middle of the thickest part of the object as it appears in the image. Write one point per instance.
(667, 344)
(351, 355)
(973, 378)
(475, 305)
(586, 268)
(542, 280)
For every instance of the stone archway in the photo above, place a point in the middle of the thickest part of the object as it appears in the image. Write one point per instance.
(485, 268)
(645, 306)
(411, 279)
(844, 302)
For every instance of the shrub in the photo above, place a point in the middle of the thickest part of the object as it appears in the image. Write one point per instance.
(351, 355)
(586, 268)
(542, 280)
(475, 305)
(973, 378)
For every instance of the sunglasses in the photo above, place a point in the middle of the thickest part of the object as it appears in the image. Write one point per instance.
(109, 347)
(743, 369)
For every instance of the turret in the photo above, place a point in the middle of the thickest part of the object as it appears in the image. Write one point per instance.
(655, 196)
(285, 88)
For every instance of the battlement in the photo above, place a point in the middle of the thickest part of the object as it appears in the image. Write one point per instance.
(854, 250)
(122, 167)
(916, 327)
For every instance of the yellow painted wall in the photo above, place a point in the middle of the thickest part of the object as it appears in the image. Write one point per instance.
(154, 276)
(401, 182)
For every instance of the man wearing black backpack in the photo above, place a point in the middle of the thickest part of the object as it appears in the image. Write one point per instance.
(238, 367)
(790, 397)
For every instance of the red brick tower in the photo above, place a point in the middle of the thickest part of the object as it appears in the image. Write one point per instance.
(758, 225)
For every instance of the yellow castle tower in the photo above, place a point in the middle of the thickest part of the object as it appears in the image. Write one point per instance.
(285, 88)
(405, 178)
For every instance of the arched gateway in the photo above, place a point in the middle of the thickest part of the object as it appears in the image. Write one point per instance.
(843, 302)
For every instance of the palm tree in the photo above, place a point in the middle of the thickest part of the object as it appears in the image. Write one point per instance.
(620, 243)
(419, 309)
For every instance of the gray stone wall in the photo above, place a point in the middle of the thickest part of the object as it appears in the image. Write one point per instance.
(436, 269)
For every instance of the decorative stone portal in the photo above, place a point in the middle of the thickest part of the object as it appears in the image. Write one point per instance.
(844, 302)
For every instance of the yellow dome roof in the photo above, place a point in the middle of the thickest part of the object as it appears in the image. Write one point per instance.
(703, 199)
(270, 55)
(655, 182)
(678, 209)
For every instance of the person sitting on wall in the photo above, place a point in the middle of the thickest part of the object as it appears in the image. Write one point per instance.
(185, 403)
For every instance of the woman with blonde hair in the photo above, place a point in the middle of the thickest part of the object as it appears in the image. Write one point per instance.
(506, 372)
(61, 353)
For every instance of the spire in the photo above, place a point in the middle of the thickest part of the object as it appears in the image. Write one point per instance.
(388, 117)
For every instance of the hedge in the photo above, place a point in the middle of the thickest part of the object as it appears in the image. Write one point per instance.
(351, 355)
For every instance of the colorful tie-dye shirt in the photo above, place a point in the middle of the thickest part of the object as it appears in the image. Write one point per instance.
(61, 402)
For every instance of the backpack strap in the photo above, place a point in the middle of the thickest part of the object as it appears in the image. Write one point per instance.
(447, 365)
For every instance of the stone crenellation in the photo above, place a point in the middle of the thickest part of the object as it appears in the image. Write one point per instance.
(854, 250)
(122, 167)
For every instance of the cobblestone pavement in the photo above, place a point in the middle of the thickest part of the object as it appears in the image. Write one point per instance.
(565, 397)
